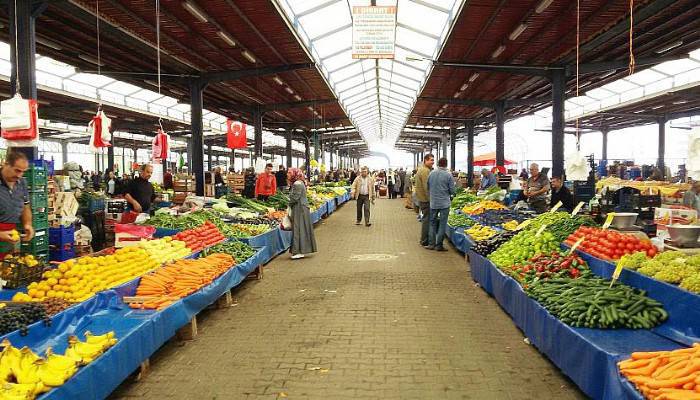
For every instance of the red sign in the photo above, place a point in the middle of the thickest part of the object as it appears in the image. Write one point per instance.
(236, 135)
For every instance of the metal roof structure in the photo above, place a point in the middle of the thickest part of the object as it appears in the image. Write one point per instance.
(543, 33)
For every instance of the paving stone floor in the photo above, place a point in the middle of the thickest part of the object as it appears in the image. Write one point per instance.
(371, 316)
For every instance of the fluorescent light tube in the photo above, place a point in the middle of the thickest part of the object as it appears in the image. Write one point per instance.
(665, 48)
(278, 80)
(464, 87)
(517, 31)
(195, 11)
(289, 90)
(473, 77)
(227, 38)
(544, 4)
(248, 56)
(498, 51)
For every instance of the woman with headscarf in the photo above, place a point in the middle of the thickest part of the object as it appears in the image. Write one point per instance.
(303, 239)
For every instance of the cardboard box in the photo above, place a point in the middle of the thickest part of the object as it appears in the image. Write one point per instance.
(677, 216)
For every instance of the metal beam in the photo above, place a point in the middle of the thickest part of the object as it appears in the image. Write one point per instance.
(530, 70)
(22, 49)
(500, 133)
(232, 75)
(461, 102)
(196, 162)
(293, 104)
(470, 153)
(527, 102)
(661, 162)
(558, 122)
(605, 66)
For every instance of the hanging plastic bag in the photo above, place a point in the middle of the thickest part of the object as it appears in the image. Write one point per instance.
(99, 127)
(577, 167)
(286, 223)
(159, 146)
(19, 119)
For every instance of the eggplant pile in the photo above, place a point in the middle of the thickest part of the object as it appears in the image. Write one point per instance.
(488, 246)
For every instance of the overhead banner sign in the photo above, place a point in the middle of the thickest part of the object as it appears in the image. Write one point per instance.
(373, 31)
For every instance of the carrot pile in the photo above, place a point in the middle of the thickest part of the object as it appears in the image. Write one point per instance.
(178, 279)
(665, 375)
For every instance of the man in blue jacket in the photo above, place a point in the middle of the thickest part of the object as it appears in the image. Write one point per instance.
(441, 188)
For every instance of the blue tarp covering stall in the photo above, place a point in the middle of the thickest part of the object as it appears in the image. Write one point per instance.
(316, 215)
(460, 240)
(269, 240)
(140, 332)
(330, 206)
(683, 307)
(587, 356)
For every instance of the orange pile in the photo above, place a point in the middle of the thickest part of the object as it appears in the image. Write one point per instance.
(665, 375)
(179, 279)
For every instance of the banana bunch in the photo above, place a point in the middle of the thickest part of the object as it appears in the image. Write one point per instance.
(510, 225)
(35, 375)
(480, 232)
(93, 346)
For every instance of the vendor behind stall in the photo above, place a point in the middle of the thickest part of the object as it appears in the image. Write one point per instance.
(561, 193)
(691, 198)
(536, 189)
(14, 202)
(140, 192)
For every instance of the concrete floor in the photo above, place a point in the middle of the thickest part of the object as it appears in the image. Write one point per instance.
(371, 316)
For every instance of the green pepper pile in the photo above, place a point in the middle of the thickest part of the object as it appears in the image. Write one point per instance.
(458, 220)
(238, 250)
(592, 303)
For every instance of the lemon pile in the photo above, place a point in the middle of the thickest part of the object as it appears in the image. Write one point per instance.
(480, 232)
(78, 279)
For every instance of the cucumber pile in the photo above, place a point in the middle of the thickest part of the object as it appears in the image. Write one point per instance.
(591, 303)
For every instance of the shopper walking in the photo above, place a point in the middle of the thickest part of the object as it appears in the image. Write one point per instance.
(441, 188)
(363, 192)
(303, 239)
(390, 182)
(111, 184)
(422, 195)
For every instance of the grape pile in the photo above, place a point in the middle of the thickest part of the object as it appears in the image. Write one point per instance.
(14, 317)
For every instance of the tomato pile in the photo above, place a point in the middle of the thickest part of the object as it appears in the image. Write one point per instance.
(552, 265)
(609, 245)
(203, 236)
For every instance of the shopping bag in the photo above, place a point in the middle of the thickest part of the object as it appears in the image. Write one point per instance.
(19, 120)
(286, 223)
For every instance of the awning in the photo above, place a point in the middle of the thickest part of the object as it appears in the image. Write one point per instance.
(489, 159)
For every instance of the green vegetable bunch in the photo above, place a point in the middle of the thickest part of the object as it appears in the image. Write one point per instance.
(238, 250)
(459, 220)
(522, 247)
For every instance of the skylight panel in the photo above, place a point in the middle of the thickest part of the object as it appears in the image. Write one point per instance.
(415, 41)
(645, 77)
(122, 88)
(329, 44)
(147, 95)
(350, 83)
(676, 66)
(354, 69)
(92, 79)
(420, 17)
(620, 86)
(326, 19)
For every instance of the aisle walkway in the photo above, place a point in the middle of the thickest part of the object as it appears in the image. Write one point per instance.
(372, 316)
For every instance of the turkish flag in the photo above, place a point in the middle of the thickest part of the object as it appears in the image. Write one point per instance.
(235, 135)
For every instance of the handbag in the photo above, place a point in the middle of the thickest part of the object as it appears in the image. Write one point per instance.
(286, 223)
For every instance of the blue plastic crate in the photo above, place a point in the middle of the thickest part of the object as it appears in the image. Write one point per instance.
(62, 235)
(61, 254)
(48, 164)
(96, 205)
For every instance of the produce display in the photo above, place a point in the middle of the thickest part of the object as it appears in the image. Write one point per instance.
(54, 306)
(77, 280)
(523, 246)
(198, 238)
(462, 199)
(482, 206)
(510, 225)
(26, 375)
(592, 303)
(278, 201)
(609, 245)
(673, 267)
(239, 201)
(459, 220)
(181, 222)
(238, 250)
(480, 232)
(665, 375)
(19, 316)
(500, 217)
(245, 230)
(166, 285)
(20, 270)
(488, 246)
(549, 266)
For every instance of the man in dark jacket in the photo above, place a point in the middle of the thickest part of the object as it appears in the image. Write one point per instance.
(561, 193)
(281, 177)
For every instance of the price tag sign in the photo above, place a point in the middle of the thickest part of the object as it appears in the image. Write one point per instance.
(523, 224)
(556, 207)
(539, 231)
(616, 274)
(575, 246)
(578, 208)
(608, 220)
